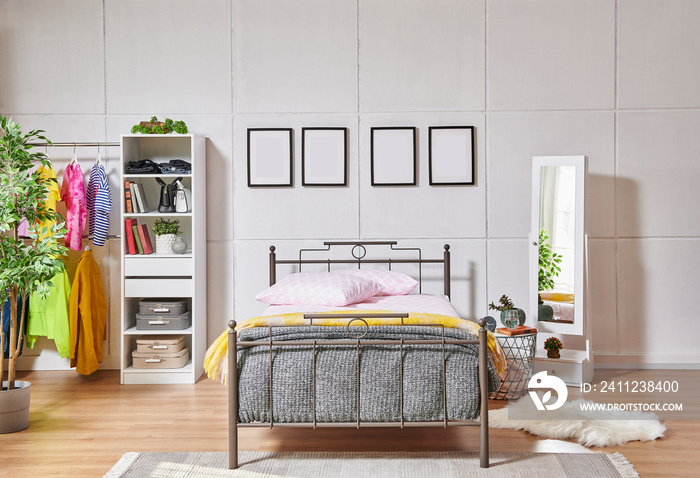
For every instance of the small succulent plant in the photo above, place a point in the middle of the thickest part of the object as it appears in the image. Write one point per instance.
(504, 304)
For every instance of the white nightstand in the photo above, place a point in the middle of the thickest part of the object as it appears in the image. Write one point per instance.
(573, 367)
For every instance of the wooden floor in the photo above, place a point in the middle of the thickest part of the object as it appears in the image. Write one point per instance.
(80, 426)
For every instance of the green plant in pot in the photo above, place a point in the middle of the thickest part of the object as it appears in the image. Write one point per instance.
(165, 231)
(504, 303)
(548, 271)
(26, 265)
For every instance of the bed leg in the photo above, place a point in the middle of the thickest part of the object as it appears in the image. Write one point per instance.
(484, 389)
(232, 397)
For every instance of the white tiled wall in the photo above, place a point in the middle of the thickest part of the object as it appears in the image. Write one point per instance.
(440, 69)
(551, 54)
(165, 56)
(615, 81)
(295, 56)
(658, 53)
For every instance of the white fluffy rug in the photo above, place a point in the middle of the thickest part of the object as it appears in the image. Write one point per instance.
(608, 428)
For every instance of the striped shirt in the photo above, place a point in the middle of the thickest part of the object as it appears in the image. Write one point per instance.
(99, 204)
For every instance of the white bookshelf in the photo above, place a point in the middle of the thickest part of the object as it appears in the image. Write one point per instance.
(147, 276)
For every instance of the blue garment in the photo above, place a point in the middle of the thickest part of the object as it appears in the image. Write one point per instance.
(99, 204)
(6, 324)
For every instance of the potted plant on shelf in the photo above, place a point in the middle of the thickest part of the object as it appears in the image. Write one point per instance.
(160, 127)
(165, 231)
(26, 268)
(552, 345)
(504, 303)
(548, 271)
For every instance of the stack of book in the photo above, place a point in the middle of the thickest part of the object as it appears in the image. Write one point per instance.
(520, 330)
(134, 198)
(138, 240)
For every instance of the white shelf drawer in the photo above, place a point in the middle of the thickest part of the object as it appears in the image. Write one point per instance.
(158, 287)
(158, 266)
(570, 372)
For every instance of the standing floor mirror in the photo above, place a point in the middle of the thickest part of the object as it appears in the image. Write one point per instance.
(558, 259)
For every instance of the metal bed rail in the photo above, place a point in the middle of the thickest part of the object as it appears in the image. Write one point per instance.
(359, 252)
(358, 341)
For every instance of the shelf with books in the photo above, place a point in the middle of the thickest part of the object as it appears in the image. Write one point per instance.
(146, 274)
(143, 195)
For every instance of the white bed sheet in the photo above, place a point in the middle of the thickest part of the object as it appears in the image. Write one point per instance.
(425, 303)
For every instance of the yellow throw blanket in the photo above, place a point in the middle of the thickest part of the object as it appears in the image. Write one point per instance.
(216, 363)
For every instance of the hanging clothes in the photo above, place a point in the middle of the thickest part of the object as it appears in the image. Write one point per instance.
(48, 316)
(48, 176)
(88, 316)
(23, 228)
(6, 322)
(73, 194)
(99, 203)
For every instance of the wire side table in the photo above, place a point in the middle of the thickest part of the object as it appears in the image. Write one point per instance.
(520, 358)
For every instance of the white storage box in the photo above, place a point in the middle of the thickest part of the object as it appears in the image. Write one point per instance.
(156, 360)
(160, 343)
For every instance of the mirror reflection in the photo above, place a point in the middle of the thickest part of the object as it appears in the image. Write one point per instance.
(557, 233)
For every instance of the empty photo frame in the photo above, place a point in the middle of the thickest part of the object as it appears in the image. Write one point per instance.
(393, 156)
(324, 159)
(270, 158)
(451, 155)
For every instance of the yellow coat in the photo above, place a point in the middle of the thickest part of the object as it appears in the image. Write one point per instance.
(88, 316)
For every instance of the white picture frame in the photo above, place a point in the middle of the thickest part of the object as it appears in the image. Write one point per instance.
(393, 160)
(324, 159)
(451, 155)
(270, 157)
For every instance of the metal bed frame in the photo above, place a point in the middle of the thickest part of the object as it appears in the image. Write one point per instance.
(357, 341)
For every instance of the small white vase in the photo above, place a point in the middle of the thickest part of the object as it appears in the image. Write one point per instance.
(164, 243)
(179, 245)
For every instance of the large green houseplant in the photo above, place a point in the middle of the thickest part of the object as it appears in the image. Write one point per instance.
(26, 265)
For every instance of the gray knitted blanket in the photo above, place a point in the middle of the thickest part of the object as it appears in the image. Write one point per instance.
(380, 383)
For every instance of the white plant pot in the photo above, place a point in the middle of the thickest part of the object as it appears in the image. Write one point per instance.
(14, 407)
(164, 243)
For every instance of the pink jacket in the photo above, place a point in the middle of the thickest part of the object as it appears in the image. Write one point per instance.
(73, 194)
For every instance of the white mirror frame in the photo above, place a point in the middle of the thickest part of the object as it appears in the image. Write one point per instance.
(580, 289)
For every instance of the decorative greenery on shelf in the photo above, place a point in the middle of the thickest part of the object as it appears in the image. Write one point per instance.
(166, 226)
(549, 263)
(158, 127)
(553, 343)
(26, 267)
(504, 304)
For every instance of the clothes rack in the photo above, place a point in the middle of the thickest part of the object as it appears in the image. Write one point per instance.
(92, 144)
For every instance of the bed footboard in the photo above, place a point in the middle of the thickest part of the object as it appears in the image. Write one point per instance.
(233, 406)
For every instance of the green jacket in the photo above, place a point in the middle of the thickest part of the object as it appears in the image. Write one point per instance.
(48, 317)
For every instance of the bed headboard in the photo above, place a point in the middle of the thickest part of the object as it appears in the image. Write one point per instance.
(358, 252)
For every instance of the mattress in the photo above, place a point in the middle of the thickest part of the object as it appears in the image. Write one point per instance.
(423, 303)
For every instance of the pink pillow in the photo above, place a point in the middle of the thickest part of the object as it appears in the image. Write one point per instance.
(393, 283)
(320, 288)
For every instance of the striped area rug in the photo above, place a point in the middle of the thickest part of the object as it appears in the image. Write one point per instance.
(370, 464)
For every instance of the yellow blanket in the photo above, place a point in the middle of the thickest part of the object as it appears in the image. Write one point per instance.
(216, 365)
